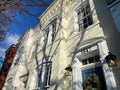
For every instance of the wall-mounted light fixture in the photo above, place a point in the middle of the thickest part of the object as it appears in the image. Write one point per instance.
(111, 59)
(68, 71)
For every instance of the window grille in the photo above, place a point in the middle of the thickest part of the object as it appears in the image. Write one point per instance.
(90, 60)
(89, 49)
(53, 30)
(84, 16)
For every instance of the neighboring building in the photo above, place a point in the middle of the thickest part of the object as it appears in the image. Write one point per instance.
(10, 53)
(114, 8)
(19, 70)
(69, 49)
(1, 61)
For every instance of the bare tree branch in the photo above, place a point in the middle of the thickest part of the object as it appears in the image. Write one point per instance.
(9, 8)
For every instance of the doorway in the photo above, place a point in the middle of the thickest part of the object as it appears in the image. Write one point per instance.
(93, 79)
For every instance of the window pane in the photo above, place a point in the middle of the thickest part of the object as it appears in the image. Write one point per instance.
(85, 23)
(46, 76)
(115, 11)
(90, 21)
(84, 17)
(53, 29)
(97, 58)
(110, 1)
(84, 62)
(91, 60)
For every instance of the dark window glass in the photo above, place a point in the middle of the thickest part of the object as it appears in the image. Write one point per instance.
(17, 61)
(85, 17)
(91, 60)
(53, 30)
(84, 62)
(109, 1)
(47, 76)
(97, 58)
(46, 36)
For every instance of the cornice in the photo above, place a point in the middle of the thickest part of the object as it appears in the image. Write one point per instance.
(50, 12)
(48, 8)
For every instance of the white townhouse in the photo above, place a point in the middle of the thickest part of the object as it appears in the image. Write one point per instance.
(75, 47)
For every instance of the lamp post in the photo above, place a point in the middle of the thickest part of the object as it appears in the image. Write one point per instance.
(68, 70)
(111, 60)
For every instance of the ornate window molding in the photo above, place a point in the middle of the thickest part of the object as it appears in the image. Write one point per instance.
(83, 14)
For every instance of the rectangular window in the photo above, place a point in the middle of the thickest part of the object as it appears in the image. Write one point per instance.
(46, 34)
(48, 74)
(90, 60)
(84, 17)
(50, 32)
(53, 30)
(84, 62)
(88, 50)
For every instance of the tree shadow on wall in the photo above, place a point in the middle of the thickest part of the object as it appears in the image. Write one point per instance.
(64, 83)
(49, 52)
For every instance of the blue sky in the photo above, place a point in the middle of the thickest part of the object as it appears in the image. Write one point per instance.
(1, 61)
(17, 30)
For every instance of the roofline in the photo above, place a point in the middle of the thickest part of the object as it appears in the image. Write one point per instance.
(48, 8)
(29, 29)
(12, 46)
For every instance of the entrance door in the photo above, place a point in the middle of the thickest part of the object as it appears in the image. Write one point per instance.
(93, 79)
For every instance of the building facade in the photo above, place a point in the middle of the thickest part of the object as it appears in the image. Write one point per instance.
(69, 49)
(1, 61)
(9, 56)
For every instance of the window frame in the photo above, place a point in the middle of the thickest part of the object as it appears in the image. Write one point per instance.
(54, 29)
(110, 2)
(112, 7)
(50, 31)
(85, 18)
(87, 60)
(48, 75)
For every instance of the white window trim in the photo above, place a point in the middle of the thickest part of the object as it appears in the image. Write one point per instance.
(50, 32)
(77, 67)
